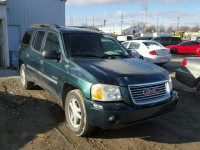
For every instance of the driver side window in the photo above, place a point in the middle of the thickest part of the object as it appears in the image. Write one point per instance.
(52, 42)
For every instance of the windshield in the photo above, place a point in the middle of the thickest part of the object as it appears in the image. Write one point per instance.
(92, 45)
(153, 44)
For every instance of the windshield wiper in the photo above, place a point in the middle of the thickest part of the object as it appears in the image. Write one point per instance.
(85, 55)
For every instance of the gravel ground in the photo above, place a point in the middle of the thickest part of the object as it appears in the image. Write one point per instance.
(33, 119)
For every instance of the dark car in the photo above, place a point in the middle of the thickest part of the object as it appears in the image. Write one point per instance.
(166, 41)
(97, 82)
(189, 74)
(143, 38)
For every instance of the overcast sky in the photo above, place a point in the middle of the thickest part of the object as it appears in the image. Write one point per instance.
(164, 12)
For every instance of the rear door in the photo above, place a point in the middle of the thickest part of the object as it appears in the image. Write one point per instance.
(33, 61)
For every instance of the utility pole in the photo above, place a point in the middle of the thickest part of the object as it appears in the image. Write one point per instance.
(70, 20)
(157, 25)
(122, 21)
(86, 22)
(178, 24)
(145, 10)
(93, 21)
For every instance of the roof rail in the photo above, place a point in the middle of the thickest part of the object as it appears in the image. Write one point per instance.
(52, 26)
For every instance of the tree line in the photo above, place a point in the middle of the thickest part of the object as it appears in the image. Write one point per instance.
(171, 29)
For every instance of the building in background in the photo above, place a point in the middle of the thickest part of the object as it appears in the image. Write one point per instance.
(17, 15)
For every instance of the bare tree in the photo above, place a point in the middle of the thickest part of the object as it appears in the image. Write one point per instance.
(195, 29)
(162, 28)
(151, 29)
(184, 28)
(170, 29)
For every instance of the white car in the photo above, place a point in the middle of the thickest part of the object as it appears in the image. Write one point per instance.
(150, 50)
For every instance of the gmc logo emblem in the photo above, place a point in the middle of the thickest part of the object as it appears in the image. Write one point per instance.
(150, 91)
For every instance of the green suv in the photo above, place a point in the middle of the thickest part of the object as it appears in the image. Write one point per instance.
(97, 81)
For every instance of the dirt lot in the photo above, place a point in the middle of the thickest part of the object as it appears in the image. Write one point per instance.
(34, 120)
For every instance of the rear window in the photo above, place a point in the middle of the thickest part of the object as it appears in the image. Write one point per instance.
(134, 45)
(152, 44)
(38, 40)
(176, 40)
(27, 37)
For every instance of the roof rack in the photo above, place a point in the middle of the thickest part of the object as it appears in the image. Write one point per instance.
(52, 26)
(86, 27)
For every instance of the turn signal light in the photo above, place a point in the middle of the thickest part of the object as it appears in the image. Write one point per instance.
(184, 62)
(152, 52)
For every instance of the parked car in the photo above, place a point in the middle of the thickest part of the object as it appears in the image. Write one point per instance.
(97, 82)
(189, 74)
(122, 38)
(188, 47)
(195, 38)
(166, 41)
(150, 50)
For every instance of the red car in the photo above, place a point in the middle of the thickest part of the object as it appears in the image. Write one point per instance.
(188, 47)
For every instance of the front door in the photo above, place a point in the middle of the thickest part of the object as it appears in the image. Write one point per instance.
(2, 49)
(52, 68)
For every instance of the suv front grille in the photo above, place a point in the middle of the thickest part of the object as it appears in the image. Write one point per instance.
(149, 93)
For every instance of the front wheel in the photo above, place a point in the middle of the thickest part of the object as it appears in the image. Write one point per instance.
(25, 83)
(174, 51)
(75, 113)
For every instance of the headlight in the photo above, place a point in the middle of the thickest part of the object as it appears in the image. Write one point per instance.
(103, 92)
(170, 84)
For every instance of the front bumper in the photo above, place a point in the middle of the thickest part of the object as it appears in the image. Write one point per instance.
(110, 115)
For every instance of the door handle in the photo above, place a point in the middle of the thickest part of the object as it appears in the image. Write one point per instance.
(27, 55)
(41, 62)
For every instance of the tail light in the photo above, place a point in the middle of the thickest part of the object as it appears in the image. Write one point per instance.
(152, 52)
(184, 62)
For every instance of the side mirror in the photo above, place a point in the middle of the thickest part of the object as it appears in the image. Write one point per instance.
(51, 55)
(134, 53)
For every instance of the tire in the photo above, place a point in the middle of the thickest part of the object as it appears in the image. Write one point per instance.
(198, 92)
(75, 113)
(174, 51)
(25, 83)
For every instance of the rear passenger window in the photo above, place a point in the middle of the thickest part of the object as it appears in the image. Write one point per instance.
(52, 42)
(27, 37)
(38, 40)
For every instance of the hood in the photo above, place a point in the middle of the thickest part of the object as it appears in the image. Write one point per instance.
(123, 72)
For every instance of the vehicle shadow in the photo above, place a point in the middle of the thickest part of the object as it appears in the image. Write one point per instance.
(180, 126)
(23, 118)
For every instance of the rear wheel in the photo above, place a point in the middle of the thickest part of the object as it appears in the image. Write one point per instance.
(75, 113)
(25, 83)
(174, 51)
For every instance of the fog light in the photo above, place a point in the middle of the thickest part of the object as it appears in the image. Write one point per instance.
(113, 119)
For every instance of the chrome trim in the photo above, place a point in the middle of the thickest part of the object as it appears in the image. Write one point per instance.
(151, 83)
(42, 74)
(153, 101)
